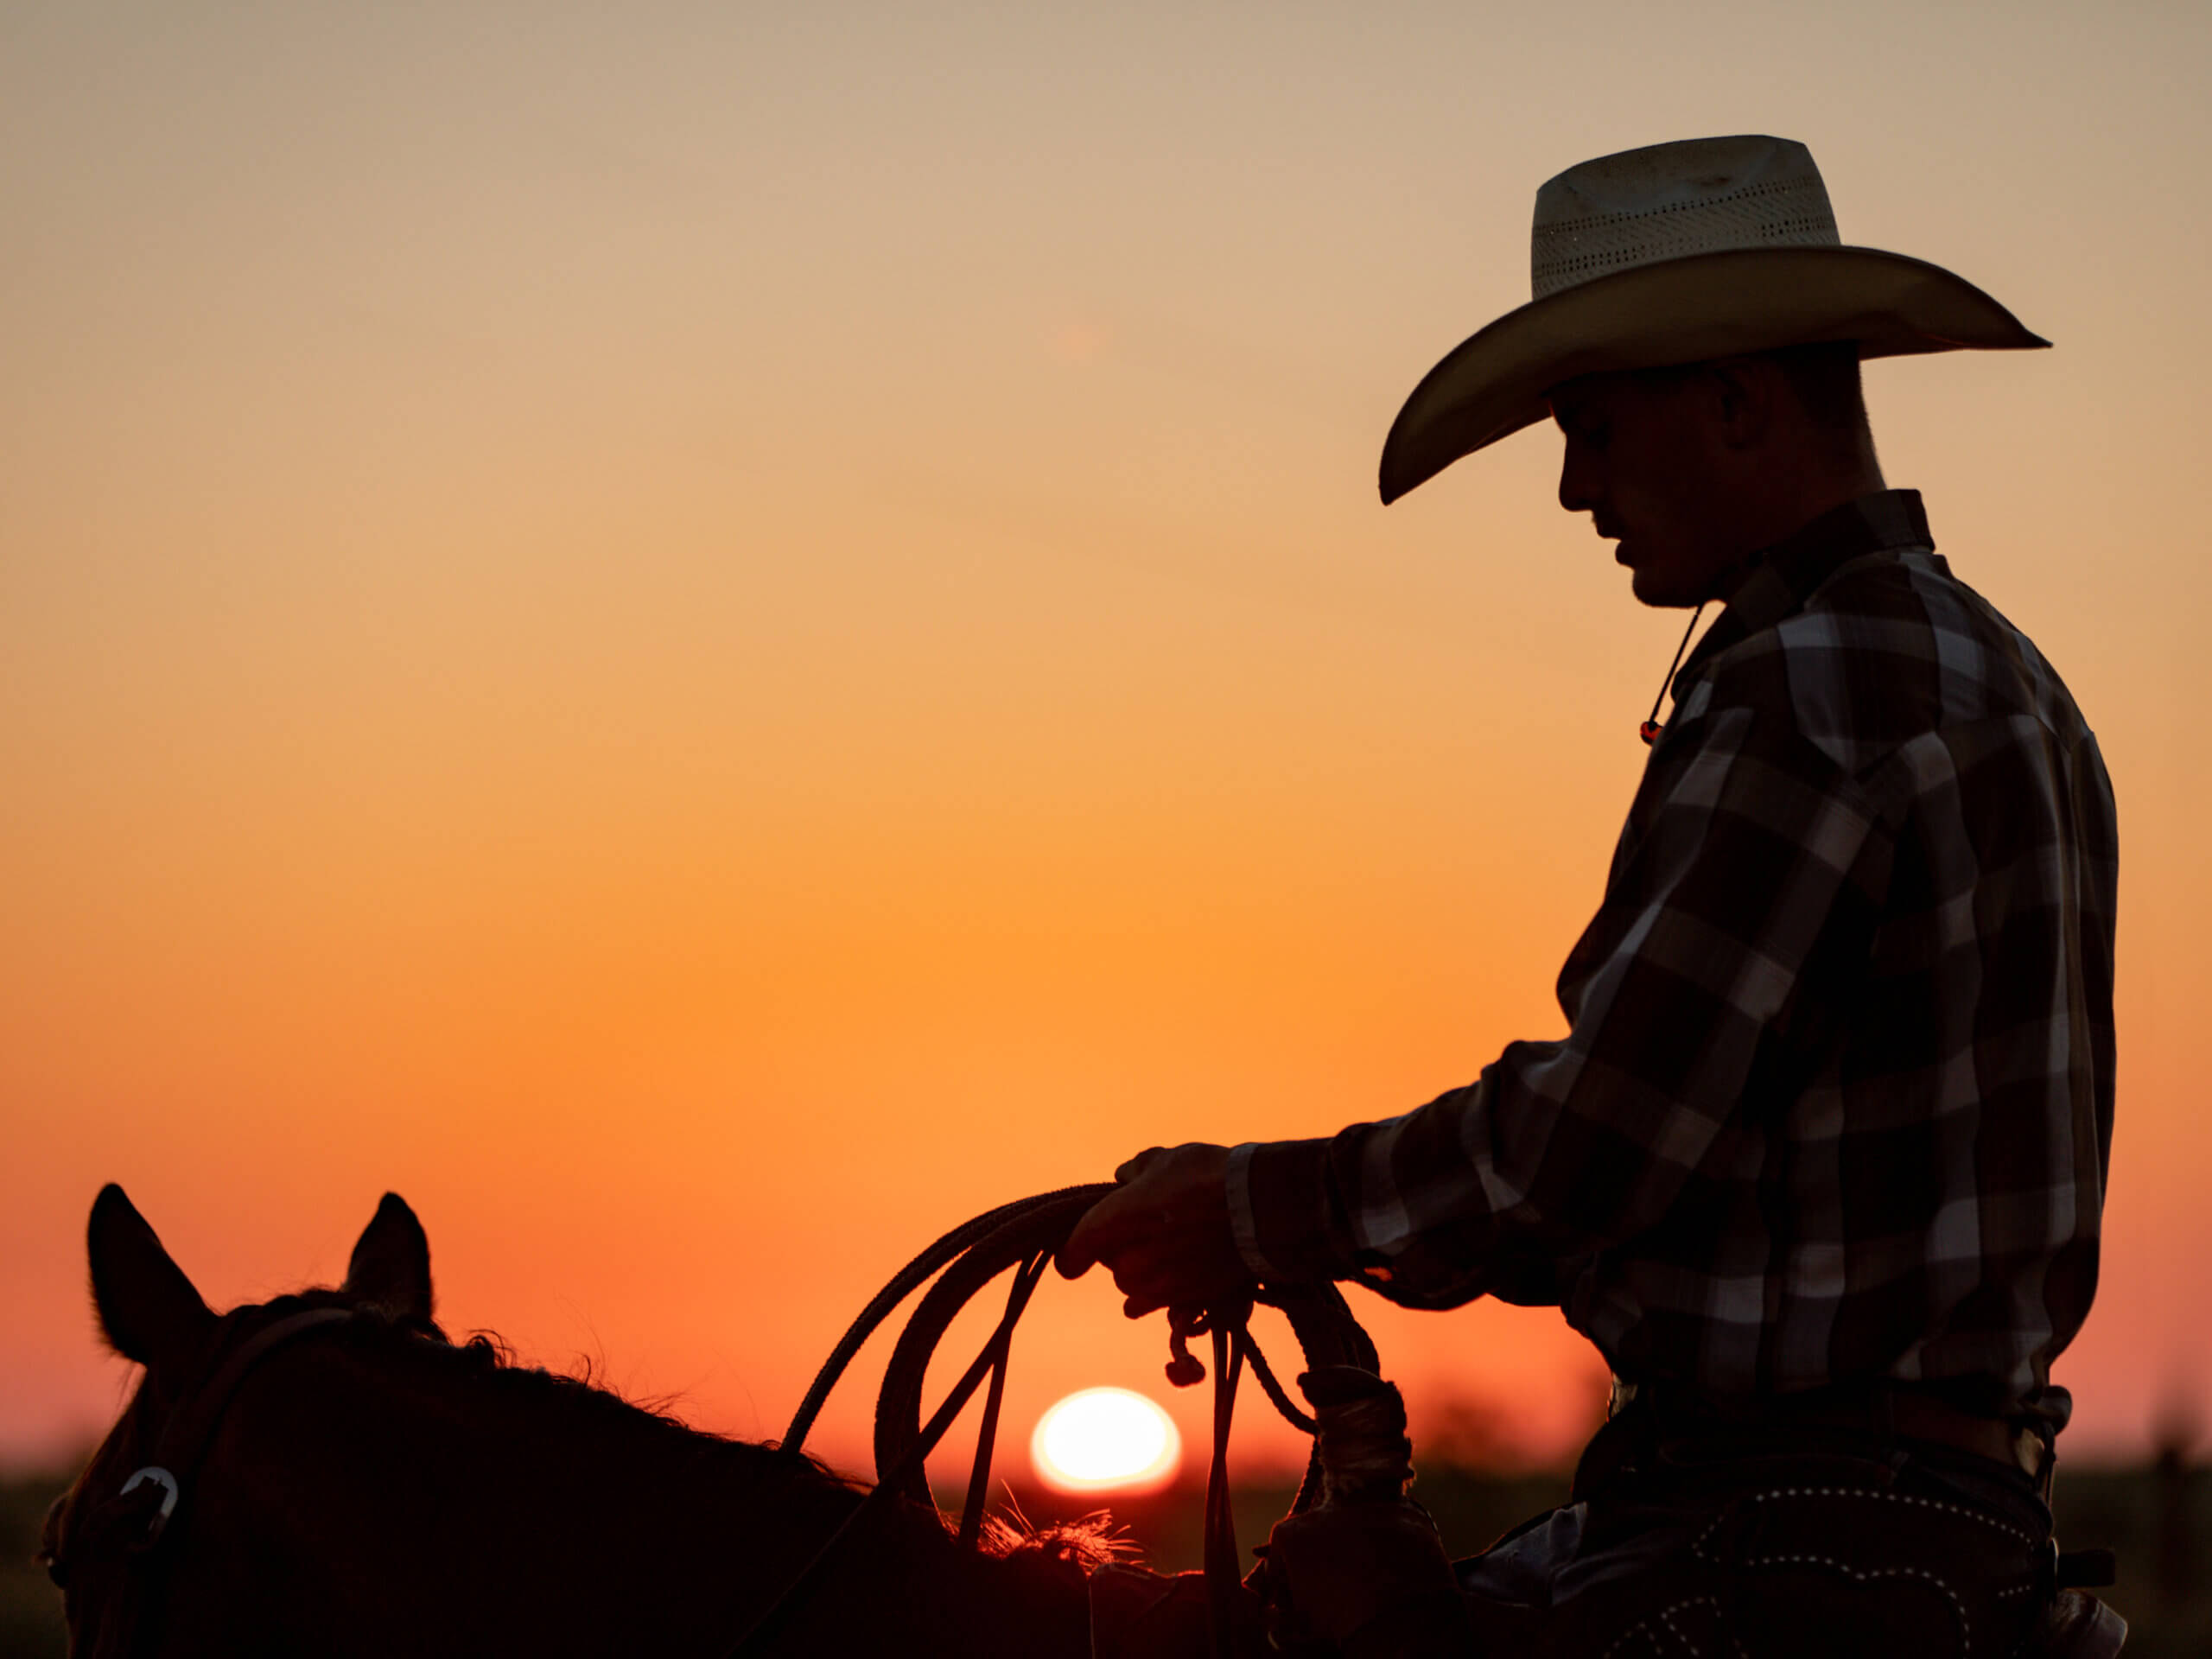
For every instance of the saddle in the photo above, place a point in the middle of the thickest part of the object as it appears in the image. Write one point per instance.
(1137, 1613)
(1362, 1572)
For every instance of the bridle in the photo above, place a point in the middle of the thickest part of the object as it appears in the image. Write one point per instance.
(1025, 1234)
(154, 1496)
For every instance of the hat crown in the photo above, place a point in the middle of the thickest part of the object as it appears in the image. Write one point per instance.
(1675, 201)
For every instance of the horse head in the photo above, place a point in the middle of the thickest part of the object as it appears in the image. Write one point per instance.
(134, 1536)
(326, 1473)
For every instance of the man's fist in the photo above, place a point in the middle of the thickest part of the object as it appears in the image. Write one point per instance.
(1164, 1233)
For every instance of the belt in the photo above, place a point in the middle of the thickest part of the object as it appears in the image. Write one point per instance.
(1902, 1413)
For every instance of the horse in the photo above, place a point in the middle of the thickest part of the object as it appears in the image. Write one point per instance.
(328, 1473)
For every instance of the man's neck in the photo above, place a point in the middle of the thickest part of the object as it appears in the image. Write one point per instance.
(1772, 517)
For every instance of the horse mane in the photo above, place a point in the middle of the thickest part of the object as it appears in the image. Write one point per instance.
(489, 1360)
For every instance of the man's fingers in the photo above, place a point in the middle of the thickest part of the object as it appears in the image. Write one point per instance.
(1144, 1266)
(1104, 1226)
(1080, 1253)
(1161, 1231)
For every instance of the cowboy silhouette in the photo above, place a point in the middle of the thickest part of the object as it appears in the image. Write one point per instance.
(1819, 1166)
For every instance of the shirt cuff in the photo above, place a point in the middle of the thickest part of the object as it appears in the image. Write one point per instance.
(1284, 1213)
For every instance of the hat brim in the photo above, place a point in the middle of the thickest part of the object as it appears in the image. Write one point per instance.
(1684, 310)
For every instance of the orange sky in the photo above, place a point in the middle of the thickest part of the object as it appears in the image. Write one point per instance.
(707, 639)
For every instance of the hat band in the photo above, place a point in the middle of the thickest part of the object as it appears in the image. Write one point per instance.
(1769, 213)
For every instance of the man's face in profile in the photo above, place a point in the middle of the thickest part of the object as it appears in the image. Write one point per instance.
(1640, 460)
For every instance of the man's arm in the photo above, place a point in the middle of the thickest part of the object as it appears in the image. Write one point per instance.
(1747, 849)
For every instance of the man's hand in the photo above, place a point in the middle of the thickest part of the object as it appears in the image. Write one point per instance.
(1164, 1233)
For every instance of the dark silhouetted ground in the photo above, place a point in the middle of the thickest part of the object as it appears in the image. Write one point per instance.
(2159, 1519)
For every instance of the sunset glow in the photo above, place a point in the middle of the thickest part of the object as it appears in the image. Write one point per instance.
(709, 639)
(1105, 1439)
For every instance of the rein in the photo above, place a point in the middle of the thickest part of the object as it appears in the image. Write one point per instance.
(1025, 1234)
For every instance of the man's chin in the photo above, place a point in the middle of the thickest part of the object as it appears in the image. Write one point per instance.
(1653, 589)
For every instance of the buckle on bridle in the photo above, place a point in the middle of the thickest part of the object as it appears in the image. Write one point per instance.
(154, 1474)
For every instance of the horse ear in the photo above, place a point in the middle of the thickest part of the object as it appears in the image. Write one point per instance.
(391, 1268)
(148, 1309)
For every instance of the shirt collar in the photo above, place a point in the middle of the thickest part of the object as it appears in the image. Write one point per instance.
(1785, 575)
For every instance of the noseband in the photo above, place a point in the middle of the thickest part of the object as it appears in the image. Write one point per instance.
(178, 1454)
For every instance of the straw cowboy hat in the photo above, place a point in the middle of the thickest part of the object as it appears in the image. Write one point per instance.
(1677, 253)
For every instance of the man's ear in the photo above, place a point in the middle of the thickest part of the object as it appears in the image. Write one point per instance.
(391, 1268)
(148, 1309)
(1743, 391)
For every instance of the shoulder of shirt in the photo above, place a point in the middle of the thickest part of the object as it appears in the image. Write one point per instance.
(1890, 648)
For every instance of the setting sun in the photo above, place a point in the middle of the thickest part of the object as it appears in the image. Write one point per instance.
(1103, 1439)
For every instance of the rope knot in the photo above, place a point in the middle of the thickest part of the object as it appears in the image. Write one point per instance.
(1186, 1370)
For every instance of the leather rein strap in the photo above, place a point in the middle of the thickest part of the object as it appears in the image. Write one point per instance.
(1024, 1235)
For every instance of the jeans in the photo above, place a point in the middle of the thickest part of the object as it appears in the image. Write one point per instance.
(1814, 1548)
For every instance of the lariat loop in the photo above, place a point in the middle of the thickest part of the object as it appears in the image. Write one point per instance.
(1025, 1236)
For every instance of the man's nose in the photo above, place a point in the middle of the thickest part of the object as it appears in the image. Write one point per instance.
(1576, 489)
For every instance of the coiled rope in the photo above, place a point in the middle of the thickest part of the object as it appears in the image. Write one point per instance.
(1024, 1235)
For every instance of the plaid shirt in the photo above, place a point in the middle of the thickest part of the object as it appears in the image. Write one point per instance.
(1835, 1103)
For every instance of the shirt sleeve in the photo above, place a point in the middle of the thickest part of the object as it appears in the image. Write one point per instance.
(1746, 857)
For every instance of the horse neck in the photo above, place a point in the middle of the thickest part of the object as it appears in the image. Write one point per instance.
(548, 1519)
